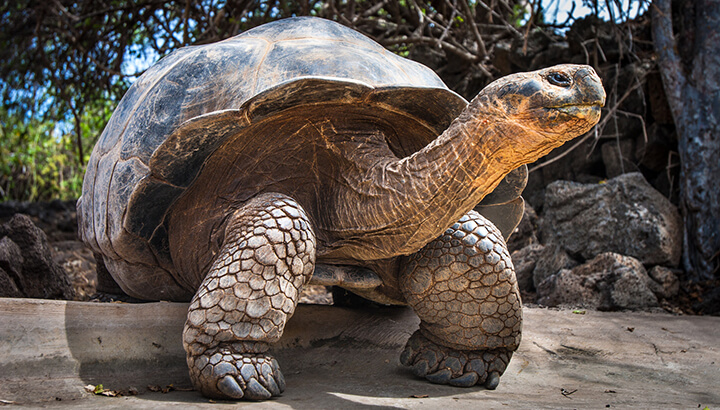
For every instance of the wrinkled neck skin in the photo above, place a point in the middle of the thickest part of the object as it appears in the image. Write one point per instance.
(415, 199)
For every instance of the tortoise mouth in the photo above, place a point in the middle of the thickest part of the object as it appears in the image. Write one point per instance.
(581, 110)
(597, 103)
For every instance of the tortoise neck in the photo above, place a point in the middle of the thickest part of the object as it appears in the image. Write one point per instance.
(451, 175)
(406, 203)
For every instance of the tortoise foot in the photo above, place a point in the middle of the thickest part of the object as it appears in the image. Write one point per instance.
(222, 374)
(462, 368)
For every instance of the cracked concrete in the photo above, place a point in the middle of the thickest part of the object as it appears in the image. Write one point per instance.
(340, 358)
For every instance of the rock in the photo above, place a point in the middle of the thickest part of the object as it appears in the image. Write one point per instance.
(551, 260)
(7, 286)
(56, 218)
(625, 215)
(665, 282)
(566, 288)
(32, 270)
(524, 261)
(608, 282)
(525, 233)
(11, 261)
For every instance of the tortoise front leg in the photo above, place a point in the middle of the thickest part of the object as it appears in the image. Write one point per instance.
(463, 287)
(247, 297)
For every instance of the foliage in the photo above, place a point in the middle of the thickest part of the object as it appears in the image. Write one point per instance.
(25, 146)
(38, 161)
(60, 62)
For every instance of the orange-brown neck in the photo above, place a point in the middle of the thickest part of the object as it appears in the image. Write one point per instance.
(416, 198)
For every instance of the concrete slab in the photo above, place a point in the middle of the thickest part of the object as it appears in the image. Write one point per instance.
(340, 358)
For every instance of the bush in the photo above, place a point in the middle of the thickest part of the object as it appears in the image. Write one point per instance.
(39, 158)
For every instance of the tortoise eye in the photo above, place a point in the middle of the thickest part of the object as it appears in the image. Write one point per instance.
(559, 79)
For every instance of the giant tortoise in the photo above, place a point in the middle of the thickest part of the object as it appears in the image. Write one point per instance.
(232, 174)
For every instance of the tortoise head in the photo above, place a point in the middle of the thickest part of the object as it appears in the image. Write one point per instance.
(558, 103)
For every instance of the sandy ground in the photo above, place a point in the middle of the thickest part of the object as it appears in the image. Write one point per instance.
(343, 358)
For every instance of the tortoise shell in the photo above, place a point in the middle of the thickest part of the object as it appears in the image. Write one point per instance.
(184, 107)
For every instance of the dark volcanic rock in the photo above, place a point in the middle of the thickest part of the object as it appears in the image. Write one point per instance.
(667, 284)
(608, 282)
(625, 215)
(550, 261)
(11, 261)
(27, 263)
(524, 261)
(56, 218)
(525, 233)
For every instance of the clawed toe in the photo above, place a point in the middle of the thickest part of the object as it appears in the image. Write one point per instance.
(440, 377)
(492, 381)
(255, 391)
(226, 375)
(443, 365)
(466, 380)
(229, 386)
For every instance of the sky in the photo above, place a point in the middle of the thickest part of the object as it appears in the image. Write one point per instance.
(562, 8)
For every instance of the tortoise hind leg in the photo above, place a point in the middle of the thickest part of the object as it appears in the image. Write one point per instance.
(463, 287)
(243, 304)
(105, 282)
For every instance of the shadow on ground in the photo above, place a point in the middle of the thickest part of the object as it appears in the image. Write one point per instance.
(341, 358)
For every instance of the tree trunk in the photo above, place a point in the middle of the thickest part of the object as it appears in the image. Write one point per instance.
(692, 87)
(77, 116)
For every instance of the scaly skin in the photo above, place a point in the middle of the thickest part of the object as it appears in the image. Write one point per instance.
(463, 287)
(243, 304)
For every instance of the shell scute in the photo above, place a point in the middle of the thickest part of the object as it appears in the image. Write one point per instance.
(125, 177)
(183, 152)
(99, 214)
(329, 59)
(204, 79)
(150, 196)
(305, 28)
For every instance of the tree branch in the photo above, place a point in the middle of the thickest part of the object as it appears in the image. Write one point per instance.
(482, 51)
(444, 45)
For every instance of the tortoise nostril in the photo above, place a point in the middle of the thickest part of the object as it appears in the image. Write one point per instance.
(559, 79)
